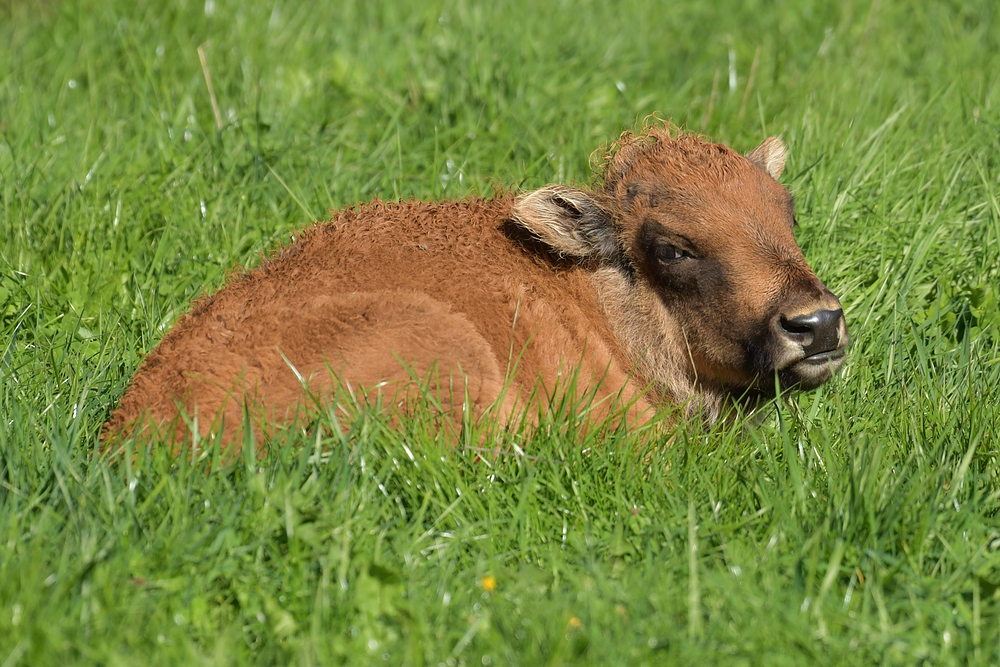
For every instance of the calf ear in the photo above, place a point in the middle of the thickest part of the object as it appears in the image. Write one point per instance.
(769, 156)
(569, 221)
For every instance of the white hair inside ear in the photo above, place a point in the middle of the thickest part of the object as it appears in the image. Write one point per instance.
(568, 220)
(770, 156)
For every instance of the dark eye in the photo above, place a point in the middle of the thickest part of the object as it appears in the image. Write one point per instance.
(670, 253)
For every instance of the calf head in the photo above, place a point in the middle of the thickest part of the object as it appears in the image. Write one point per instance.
(697, 266)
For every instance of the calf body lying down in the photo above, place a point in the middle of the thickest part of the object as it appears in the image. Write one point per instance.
(676, 280)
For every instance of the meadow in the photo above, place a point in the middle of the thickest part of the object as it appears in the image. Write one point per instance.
(857, 524)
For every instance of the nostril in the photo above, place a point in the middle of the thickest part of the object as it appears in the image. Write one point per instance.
(796, 325)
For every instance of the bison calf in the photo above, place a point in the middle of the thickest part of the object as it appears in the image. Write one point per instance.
(677, 280)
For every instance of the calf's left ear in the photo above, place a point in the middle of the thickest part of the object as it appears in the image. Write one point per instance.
(569, 221)
(769, 156)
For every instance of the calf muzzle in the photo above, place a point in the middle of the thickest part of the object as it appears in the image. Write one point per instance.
(813, 347)
(816, 333)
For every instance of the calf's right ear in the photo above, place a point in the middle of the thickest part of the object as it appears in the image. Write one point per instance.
(569, 221)
(770, 156)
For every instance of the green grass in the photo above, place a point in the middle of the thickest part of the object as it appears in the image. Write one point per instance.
(854, 525)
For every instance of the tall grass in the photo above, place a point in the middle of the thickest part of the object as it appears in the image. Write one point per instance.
(855, 524)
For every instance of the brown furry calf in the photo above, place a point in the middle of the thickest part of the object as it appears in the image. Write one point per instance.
(677, 281)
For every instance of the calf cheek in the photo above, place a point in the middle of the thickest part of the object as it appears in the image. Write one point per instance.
(704, 301)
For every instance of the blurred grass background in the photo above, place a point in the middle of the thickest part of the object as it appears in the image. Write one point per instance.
(856, 524)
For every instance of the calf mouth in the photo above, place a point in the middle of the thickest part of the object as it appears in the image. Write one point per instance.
(810, 372)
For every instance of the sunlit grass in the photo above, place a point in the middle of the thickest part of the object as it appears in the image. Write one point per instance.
(856, 524)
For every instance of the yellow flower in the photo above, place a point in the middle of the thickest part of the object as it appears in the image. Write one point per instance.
(574, 622)
(489, 583)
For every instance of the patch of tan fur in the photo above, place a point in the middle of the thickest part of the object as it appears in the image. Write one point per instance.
(664, 148)
(655, 344)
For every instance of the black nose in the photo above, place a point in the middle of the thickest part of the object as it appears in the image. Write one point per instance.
(816, 332)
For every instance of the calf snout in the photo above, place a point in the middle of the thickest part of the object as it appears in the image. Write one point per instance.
(815, 332)
(809, 343)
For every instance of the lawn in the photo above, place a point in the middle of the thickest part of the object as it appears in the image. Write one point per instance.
(857, 524)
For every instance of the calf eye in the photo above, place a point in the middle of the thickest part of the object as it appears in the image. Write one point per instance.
(669, 253)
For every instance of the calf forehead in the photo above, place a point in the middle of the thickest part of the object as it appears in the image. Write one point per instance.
(745, 208)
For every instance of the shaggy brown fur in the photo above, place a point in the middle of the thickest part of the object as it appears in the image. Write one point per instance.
(678, 281)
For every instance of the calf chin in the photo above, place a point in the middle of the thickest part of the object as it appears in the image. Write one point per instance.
(811, 372)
